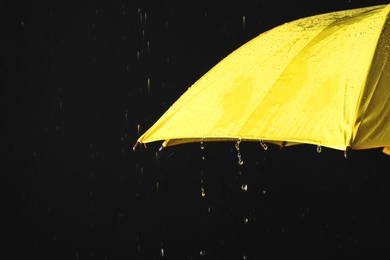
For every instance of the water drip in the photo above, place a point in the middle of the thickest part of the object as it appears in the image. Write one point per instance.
(240, 161)
(265, 147)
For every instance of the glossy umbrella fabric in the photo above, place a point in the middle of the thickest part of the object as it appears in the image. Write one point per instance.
(321, 80)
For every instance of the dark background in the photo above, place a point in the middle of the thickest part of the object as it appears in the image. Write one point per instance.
(81, 80)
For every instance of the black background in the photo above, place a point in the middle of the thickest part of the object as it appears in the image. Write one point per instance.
(81, 80)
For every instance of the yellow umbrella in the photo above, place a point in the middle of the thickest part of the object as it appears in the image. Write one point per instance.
(321, 80)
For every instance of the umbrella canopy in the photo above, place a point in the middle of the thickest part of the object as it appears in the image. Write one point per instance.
(321, 80)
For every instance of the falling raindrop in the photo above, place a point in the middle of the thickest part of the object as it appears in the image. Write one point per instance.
(319, 149)
(140, 15)
(202, 252)
(157, 188)
(138, 129)
(201, 145)
(157, 157)
(146, 19)
(240, 161)
(244, 187)
(203, 192)
(148, 86)
(243, 23)
(162, 249)
(246, 220)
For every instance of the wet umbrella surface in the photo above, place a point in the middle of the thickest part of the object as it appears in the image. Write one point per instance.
(81, 82)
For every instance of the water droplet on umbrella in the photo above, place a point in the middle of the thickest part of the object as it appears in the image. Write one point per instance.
(265, 147)
(201, 145)
(240, 161)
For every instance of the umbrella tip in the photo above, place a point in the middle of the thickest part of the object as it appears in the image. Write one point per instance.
(135, 146)
(347, 151)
